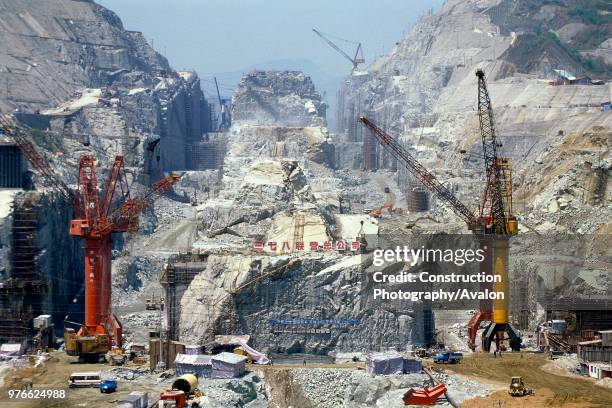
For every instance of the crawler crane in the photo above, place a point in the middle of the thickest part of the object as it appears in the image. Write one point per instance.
(493, 226)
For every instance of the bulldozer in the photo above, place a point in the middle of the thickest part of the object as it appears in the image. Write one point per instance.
(517, 388)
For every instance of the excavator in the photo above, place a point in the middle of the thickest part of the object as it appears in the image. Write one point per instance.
(378, 212)
(493, 226)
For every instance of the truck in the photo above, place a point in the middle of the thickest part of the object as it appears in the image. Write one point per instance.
(447, 357)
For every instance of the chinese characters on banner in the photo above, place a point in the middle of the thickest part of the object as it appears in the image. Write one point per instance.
(326, 246)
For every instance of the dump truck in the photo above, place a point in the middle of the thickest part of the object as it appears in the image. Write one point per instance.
(517, 388)
(447, 357)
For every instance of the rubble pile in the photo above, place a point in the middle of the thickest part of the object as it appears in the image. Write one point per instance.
(248, 391)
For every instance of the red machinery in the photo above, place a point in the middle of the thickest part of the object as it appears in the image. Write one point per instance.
(424, 396)
(172, 399)
(494, 225)
(96, 223)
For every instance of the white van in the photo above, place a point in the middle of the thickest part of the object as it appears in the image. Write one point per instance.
(91, 379)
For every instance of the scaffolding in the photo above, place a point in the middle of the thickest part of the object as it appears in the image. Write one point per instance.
(207, 154)
(21, 294)
(11, 166)
(175, 278)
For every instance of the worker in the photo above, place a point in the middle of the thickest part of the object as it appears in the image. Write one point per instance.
(304, 362)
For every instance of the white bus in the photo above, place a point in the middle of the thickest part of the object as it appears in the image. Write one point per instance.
(91, 379)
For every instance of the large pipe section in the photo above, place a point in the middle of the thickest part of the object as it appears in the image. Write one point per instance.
(187, 383)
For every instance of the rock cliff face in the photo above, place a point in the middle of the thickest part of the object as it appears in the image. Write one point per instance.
(76, 44)
(267, 297)
(86, 85)
(71, 68)
(286, 98)
(424, 92)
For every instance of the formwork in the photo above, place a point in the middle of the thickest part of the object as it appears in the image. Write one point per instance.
(207, 154)
(11, 167)
(23, 245)
(417, 199)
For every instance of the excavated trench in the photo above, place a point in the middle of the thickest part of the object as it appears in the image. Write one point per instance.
(283, 390)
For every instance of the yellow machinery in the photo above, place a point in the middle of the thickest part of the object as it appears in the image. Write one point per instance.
(87, 348)
(517, 388)
(494, 225)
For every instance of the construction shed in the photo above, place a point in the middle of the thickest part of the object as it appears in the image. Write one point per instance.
(10, 350)
(228, 365)
(597, 370)
(412, 364)
(199, 365)
(594, 350)
(384, 363)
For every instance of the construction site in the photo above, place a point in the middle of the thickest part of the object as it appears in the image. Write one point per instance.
(439, 235)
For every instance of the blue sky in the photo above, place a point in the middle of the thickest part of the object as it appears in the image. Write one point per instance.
(220, 37)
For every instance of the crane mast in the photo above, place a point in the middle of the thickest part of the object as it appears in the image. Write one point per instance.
(496, 207)
(494, 225)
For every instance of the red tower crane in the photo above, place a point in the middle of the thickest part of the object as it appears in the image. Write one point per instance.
(493, 226)
(96, 223)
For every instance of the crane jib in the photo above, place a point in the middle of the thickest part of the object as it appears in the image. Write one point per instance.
(420, 172)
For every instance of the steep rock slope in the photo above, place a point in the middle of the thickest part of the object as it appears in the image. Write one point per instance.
(71, 68)
(425, 91)
(74, 43)
(70, 71)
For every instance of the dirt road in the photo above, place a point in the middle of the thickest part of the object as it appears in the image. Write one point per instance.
(551, 390)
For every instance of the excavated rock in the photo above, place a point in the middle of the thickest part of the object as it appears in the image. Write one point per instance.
(285, 98)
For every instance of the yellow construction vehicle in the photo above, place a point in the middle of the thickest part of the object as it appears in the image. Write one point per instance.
(91, 348)
(517, 388)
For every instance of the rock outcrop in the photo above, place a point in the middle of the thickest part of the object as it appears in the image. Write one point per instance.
(72, 69)
(285, 98)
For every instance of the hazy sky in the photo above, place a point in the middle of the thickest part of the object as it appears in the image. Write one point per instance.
(215, 37)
